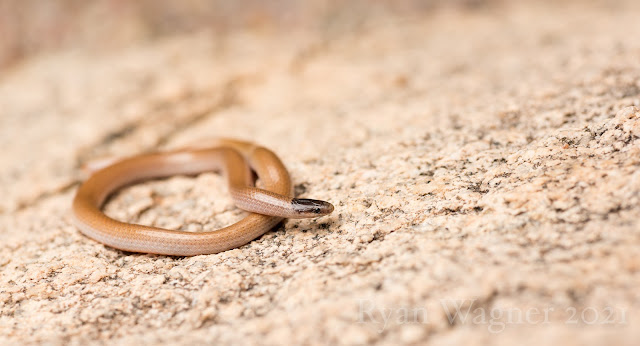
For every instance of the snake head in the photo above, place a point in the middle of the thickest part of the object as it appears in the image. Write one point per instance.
(305, 208)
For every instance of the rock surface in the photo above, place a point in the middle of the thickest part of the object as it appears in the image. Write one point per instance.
(483, 159)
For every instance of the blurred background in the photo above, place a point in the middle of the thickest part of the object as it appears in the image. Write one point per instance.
(32, 27)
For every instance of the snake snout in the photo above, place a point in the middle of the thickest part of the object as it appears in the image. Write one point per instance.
(311, 207)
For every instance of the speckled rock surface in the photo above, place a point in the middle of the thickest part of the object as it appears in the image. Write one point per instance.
(486, 160)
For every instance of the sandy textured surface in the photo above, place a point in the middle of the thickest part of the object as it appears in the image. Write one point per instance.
(487, 158)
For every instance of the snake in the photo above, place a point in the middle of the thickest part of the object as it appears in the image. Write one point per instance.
(239, 161)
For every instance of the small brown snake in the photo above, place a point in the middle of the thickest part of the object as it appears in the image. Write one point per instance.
(236, 159)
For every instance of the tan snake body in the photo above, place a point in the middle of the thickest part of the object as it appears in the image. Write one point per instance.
(235, 159)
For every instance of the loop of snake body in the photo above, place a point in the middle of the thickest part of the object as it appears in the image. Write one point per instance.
(238, 161)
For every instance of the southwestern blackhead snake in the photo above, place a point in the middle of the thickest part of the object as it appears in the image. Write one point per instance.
(236, 159)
